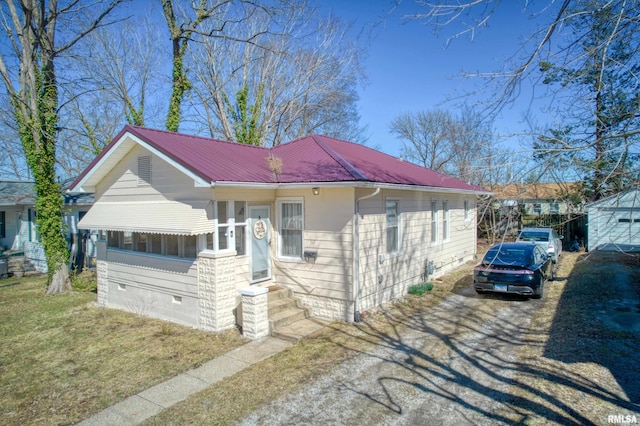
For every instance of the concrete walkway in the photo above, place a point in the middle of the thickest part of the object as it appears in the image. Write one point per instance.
(148, 403)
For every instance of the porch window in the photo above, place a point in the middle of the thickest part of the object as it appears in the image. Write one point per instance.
(291, 225)
(467, 210)
(156, 243)
(2, 225)
(140, 242)
(231, 227)
(114, 238)
(445, 220)
(183, 246)
(434, 221)
(171, 245)
(393, 228)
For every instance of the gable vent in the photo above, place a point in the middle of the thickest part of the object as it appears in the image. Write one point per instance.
(144, 170)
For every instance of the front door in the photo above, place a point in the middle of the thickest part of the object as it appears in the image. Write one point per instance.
(260, 234)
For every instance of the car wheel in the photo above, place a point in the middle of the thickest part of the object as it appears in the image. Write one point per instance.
(540, 292)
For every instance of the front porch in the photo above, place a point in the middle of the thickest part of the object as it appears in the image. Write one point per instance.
(205, 294)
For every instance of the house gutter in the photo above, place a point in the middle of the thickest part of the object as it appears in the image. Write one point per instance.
(356, 251)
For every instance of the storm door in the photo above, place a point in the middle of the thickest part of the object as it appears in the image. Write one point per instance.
(260, 235)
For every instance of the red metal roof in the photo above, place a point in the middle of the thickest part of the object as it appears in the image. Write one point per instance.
(306, 160)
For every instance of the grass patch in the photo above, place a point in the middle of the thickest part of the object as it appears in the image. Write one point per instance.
(63, 359)
(420, 289)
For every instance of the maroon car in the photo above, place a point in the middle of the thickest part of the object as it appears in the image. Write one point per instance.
(514, 268)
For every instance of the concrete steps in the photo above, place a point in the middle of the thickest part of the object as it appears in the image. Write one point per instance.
(288, 320)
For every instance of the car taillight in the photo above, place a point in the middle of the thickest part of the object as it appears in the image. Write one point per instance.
(550, 249)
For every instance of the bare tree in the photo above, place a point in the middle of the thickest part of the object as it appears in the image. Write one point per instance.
(586, 54)
(118, 79)
(298, 78)
(428, 135)
(28, 72)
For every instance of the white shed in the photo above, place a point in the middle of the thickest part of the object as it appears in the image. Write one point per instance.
(614, 222)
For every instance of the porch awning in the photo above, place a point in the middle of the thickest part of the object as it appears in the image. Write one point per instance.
(156, 217)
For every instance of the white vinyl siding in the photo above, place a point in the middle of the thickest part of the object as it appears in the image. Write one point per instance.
(384, 278)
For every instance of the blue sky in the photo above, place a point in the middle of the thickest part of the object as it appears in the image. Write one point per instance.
(409, 68)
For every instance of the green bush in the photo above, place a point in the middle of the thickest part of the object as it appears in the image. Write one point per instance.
(420, 289)
(84, 281)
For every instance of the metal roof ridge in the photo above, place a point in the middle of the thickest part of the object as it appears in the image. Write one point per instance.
(353, 170)
(205, 138)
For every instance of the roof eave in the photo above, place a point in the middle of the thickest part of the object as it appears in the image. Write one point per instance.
(346, 184)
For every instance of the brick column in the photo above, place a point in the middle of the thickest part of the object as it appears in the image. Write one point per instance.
(255, 318)
(102, 275)
(216, 290)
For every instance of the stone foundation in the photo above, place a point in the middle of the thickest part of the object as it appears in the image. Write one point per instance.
(326, 307)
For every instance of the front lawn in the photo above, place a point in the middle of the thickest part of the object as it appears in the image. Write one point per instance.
(63, 359)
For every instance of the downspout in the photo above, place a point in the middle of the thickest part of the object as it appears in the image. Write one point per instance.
(356, 252)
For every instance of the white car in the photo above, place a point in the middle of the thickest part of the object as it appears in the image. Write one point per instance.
(547, 238)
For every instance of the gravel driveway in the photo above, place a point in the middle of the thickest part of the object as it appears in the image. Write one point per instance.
(463, 351)
(490, 359)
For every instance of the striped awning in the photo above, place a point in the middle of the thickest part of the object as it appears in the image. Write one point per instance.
(156, 217)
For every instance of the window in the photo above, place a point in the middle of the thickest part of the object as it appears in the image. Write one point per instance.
(144, 170)
(184, 246)
(127, 240)
(467, 210)
(445, 220)
(240, 218)
(140, 242)
(393, 228)
(434, 221)
(623, 220)
(2, 225)
(231, 227)
(554, 208)
(223, 226)
(114, 238)
(291, 226)
(537, 208)
(156, 243)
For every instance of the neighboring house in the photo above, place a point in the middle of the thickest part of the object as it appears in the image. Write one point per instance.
(554, 205)
(614, 222)
(539, 198)
(188, 221)
(18, 231)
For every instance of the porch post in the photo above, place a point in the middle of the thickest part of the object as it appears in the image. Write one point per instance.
(255, 317)
(216, 290)
(102, 274)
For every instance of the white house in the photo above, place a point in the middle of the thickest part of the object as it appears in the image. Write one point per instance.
(18, 230)
(188, 222)
(614, 222)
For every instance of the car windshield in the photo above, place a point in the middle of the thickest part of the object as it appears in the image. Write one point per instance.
(508, 256)
(534, 236)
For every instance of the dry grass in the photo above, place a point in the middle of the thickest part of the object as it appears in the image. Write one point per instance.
(581, 368)
(63, 359)
(235, 398)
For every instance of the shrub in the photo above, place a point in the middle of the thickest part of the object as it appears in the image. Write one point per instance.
(420, 289)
